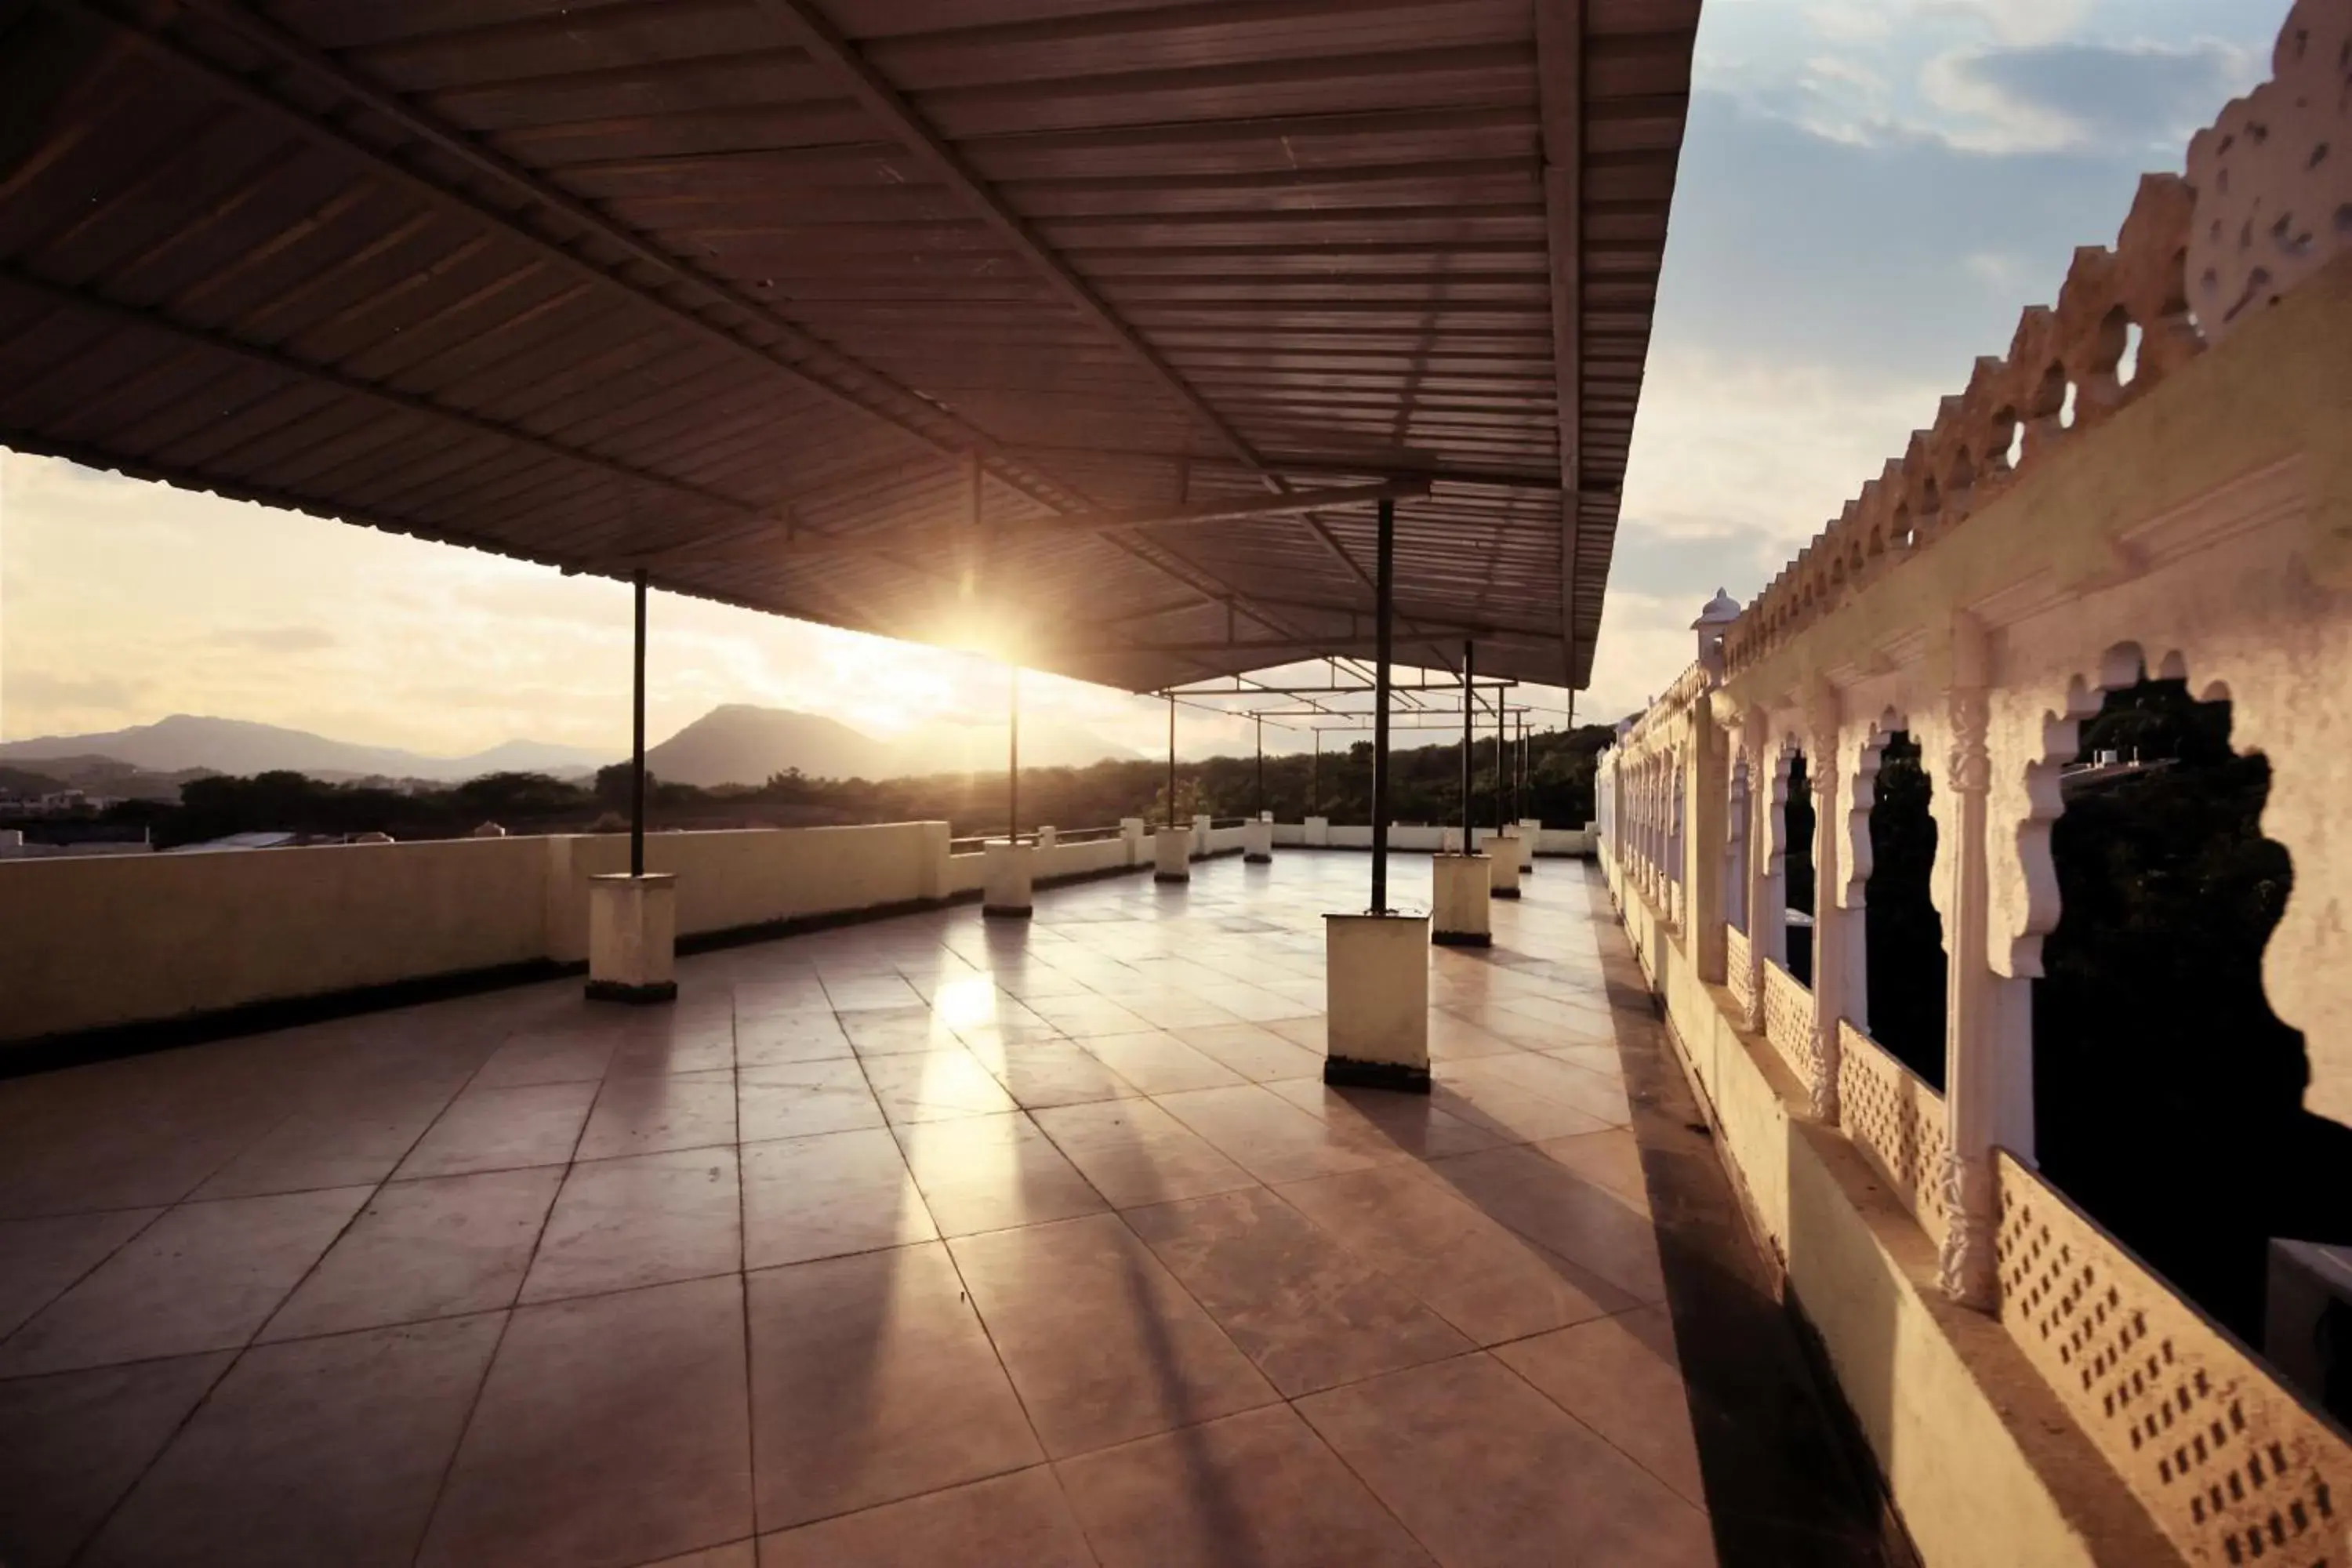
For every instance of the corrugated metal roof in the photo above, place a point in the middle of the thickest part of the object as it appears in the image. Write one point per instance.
(712, 286)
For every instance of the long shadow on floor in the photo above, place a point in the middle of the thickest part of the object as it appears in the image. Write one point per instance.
(1789, 1481)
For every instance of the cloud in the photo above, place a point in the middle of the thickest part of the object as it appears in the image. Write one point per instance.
(2015, 21)
(275, 640)
(45, 702)
(2065, 96)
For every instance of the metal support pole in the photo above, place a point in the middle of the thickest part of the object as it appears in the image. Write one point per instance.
(1315, 776)
(1384, 613)
(1172, 763)
(1469, 679)
(1261, 765)
(637, 742)
(1502, 784)
(1013, 771)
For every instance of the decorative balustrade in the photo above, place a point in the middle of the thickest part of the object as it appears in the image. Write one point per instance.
(1789, 1020)
(1738, 966)
(2231, 1467)
(1896, 1121)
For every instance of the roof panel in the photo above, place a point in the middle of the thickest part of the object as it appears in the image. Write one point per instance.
(707, 285)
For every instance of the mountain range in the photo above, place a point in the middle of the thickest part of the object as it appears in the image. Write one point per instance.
(240, 746)
(739, 743)
(736, 744)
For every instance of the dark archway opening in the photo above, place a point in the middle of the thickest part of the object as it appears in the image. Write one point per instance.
(1797, 868)
(2168, 1095)
(1902, 934)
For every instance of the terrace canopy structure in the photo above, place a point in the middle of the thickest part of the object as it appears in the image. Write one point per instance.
(1088, 331)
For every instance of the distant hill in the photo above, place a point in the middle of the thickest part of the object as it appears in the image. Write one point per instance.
(741, 744)
(737, 744)
(187, 741)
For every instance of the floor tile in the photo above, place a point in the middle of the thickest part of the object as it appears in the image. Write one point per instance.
(1482, 1469)
(1505, 1110)
(1255, 1052)
(1268, 1136)
(1620, 1376)
(621, 1223)
(1600, 1096)
(1132, 1152)
(1159, 1063)
(734, 1555)
(71, 1443)
(799, 1036)
(1474, 1271)
(502, 1129)
(328, 1451)
(991, 1172)
(1602, 1058)
(1177, 1009)
(1257, 1487)
(1610, 1160)
(1307, 1311)
(1041, 1073)
(647, 1113)
(569, 1057)
(610, 1432)
(1086, 1015)
(41, 1258)
(1587, 1225)
(1102, 1342)
(835, 1193)
(933, 1086)
(203, 1278)
(1384, 1122)
(707, 1049)
(870, 992)
(1306, 1034)
(433, 1249)
(794, 1100)
(1020, 1519)
(871, 1381)
(348, 1146)
(890, 1031)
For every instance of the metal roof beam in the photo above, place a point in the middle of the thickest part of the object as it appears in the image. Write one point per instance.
(276, 41)
(806, 26)
(1070, 526)
(1559, 92)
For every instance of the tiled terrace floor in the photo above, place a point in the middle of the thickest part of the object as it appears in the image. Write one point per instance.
(928, 1241)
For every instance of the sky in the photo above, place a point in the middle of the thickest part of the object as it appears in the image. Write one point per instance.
(1870, 191)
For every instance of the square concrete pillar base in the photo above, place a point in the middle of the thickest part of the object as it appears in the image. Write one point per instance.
(1460, 915)
(1201, 827)
(1376, 978)
(1171, 851)
(1006, 880)
(1257, 842)
(1503, 861)
(1317, 832)
(1530, 833)
(632, 938)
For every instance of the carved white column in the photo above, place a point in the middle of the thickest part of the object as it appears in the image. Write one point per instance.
(1738, 814)
(1971, 1068)
(1707, 786)
(1829, 914)
(1767, 923)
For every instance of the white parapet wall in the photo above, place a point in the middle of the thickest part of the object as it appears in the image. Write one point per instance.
(90, 943)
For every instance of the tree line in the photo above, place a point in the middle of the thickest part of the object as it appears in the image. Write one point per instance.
(1425, 786)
